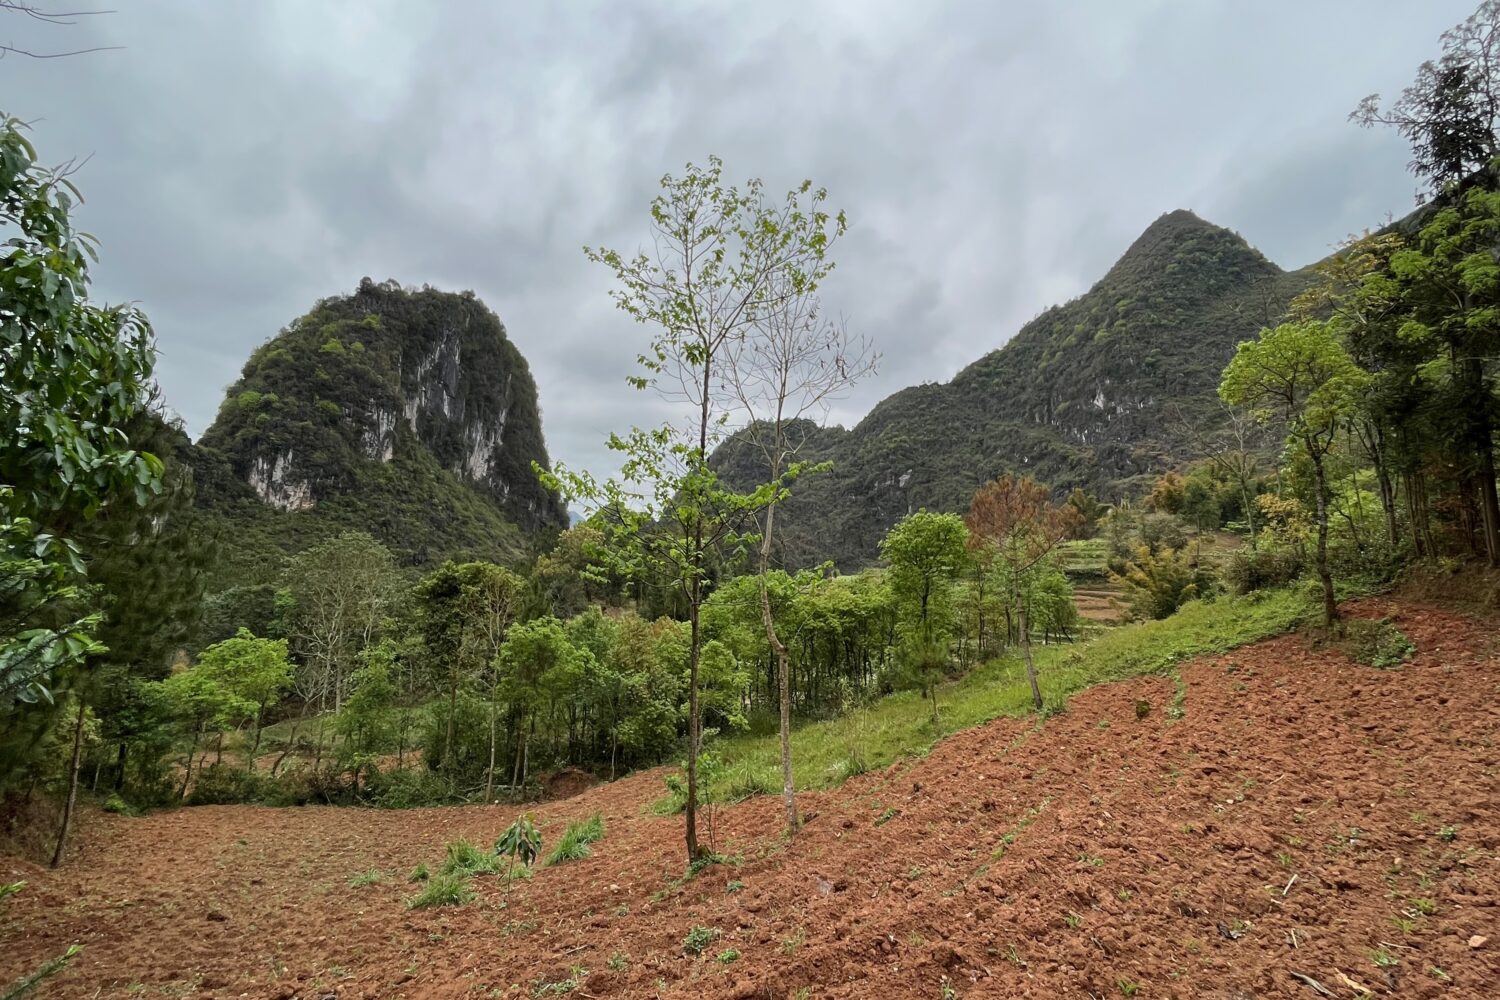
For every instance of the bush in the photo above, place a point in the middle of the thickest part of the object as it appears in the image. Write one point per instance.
(409, 787)
(573, 845)
(1376, 644)
(1249, 570)
(220, 784)
(1157, 584)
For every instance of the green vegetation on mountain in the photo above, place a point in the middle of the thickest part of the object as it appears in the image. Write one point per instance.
(1103, 393)
(404, 413)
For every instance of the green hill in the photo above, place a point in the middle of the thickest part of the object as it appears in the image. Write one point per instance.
(405, 413)
(1093, 393)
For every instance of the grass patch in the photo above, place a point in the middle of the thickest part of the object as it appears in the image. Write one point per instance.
(465, 858)
(901, 726)
(573, 845)
(371, 877)
(445, 889)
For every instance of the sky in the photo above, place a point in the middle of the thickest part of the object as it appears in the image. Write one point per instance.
(993, 158)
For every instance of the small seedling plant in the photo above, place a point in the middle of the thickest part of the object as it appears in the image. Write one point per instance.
(521, 840)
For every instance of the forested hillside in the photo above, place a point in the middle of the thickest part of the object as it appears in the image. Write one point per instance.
(404, 413)
(1097, 393)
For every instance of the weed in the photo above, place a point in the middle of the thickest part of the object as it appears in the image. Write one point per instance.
(949, 993)
(1426, 907)
(699, 938)
(1073, 920)
(728, 955)
(1404, 924)
(1438, 973)
(573, 845)
(443, 889)
(1383, 959)
(1125, 894)
(1448, 834)
(1128, 987)
(1376, 644)
(887, 816)
(734, 886)
(463, 857)
(791, 944)
(623, 910)
(617, 963)
(1284, 859)
(419, 873)
(1092, 860)
(371, 877)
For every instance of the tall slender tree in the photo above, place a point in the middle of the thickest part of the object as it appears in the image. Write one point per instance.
(722, 257)
(784, 373)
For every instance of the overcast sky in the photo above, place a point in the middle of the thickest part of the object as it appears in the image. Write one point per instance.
(994, 158)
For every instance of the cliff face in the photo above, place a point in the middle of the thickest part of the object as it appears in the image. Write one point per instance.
(1094, 393)
(396, 411)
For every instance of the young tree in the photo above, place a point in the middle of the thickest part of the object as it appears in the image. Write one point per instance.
(534, 654)
(722, 258)
(255, 671)
(1018, 518)
(784, 372)
(1301, 375)
(925, 552)
(364, 725)
(341, 590)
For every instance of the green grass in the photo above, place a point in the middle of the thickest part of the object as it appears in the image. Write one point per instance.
(447, 889)
(901, 726)
(573, 845)
(464, 858)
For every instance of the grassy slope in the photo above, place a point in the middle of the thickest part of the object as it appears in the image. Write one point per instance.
(824, 753)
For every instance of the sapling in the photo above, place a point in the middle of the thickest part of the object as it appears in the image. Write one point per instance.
(520, 840)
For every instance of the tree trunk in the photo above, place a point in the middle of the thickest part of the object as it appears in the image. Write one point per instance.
(68, 806)
(489, 774)
(1025, 634)
(783, 676)
(694, 850)
(1489, 504)
(1330, 604)
(255, 744)
(447, 761)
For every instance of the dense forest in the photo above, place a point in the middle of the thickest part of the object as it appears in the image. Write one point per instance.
(357, 587)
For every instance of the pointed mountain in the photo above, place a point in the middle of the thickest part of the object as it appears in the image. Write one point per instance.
(1094, 393)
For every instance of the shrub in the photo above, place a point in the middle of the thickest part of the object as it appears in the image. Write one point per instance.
(442, 890)
(220, 784)
(1377, 644)
(573, 845)
(1157, 584)
(1249, 570)
(409, 787)
(115, 804)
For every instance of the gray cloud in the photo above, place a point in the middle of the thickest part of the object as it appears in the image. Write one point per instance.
(994, 159)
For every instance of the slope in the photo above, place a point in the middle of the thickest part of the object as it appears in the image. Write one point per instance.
(1304, 814)
(405, 413)
(1094, 394)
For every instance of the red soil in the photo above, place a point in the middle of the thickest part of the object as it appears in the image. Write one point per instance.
(1284, 824)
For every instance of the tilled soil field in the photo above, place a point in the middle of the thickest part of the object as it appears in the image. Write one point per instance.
(1282, 822)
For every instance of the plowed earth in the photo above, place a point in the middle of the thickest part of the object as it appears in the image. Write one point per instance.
(1304, 815)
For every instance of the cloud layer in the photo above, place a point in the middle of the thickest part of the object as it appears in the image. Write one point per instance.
(993, 158)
